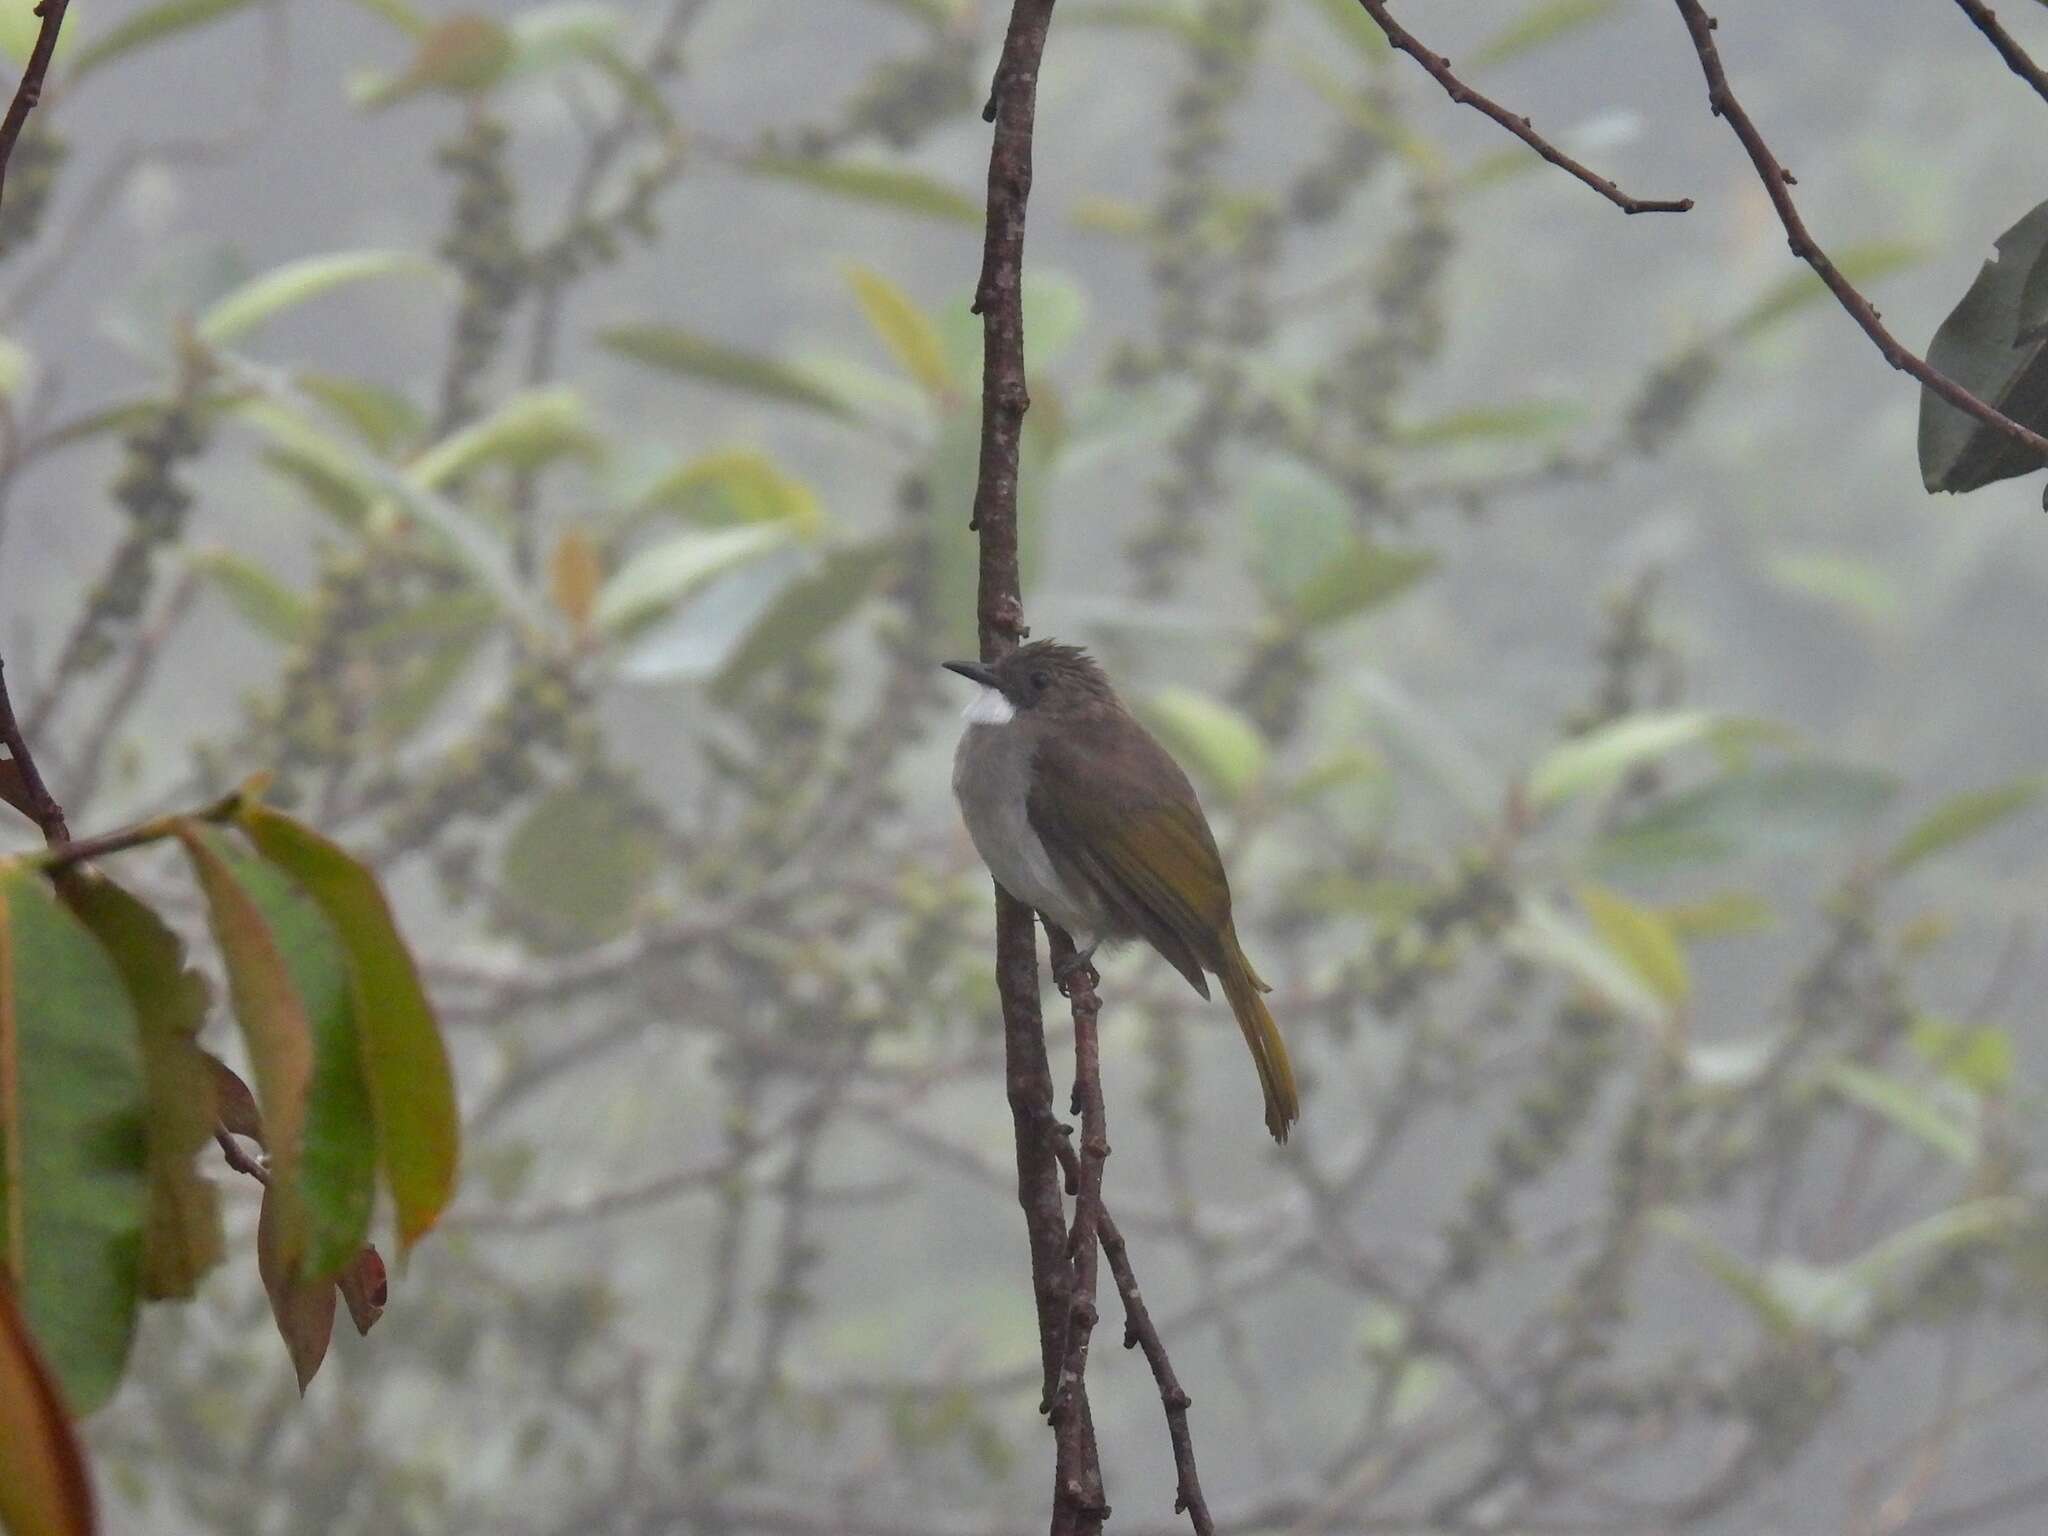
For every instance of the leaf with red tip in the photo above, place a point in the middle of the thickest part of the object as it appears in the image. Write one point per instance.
(44, 1490)
(304, 1309)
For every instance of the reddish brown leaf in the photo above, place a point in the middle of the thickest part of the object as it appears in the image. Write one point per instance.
(43, 1487)
(234, 1103)
(364, 1287)
(304, 1312)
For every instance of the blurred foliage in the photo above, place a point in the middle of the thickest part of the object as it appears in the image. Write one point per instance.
(1660, 1115)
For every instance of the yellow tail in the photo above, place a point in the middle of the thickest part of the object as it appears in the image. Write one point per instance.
(1242, 986)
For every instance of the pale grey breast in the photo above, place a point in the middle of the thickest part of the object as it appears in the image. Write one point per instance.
(991, 776)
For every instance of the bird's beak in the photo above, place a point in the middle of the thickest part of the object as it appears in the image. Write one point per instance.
(972, 670)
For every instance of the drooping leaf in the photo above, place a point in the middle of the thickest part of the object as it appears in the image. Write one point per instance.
(525, 432)
(411, 1085)
(574, 574)
(268, 606)
(664, 573)
(1540, 25)
(73, 1186)
(1995, 344)
(806, 612)
(1744, 1281)
(1543, 934)
(338, 1156)
(1791, 808)
(233, 317)
(680, 352)
(574, 871)
(383, 418)
(1961, 818)
(152, 24)
(182, 1231)
(1909, 1108)
(1365, 576)
(302, 1305)
(364, 1289)
(905, 330)
(1594, 763)
(1642, 940)
(880, 186)
(1218, 742)
(736, 486)
(44, 1487)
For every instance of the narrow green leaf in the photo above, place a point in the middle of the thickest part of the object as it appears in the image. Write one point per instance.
(1905, 1106)
(1963, 817)
(905, 330)
(264, 298)
(1642, 940)
(338, 1158)
(735, 488)
(1537, 27)
(73, 1180)
(659, 576)
(400, 13)
(880, 186)
(383, 418)
(806, 612)
(182, 1231)
(1594, 763)
(1861, 264)
(1545, 935)
(1348, 19)
(1789, 809)
(696, 357)
(525, 432)
(152, 24)
(1860, 588)
(1979, 1056)
(1217, 741)
(1517, 421)
(265, 603)
(411, 1085)
(1743, 1280)
(1365, 576)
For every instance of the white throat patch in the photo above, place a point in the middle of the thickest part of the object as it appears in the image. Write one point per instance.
(989, 707)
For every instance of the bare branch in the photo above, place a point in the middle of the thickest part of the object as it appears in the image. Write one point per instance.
(1986, 21)
(1439, 69)
(21, 785)
(30, 91)
(1777, 182)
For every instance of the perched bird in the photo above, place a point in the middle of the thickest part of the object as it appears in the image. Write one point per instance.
(1080, 813)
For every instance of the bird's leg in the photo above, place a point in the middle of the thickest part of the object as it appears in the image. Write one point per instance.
(1064, 971)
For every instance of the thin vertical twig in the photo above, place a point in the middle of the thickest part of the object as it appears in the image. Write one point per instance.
(30, 91)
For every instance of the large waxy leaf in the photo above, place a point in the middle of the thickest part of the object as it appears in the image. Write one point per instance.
(44, 1489)
(231, 318)
(677, 351)
(412, 1088)
(182, 1235)
(149, 25)
(1995, 344)
(881, 186)
(338, 1156)
(73, 1190)
(1791, 808)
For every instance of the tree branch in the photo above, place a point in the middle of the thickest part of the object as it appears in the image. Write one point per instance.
(1439, 69)
(21, 785)
(1777, 182)
(30, 91)
(1986, 21)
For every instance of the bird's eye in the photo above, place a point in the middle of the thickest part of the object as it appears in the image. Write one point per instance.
(1040, 681)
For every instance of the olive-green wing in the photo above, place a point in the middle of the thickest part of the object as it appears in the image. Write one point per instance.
(1114, 809)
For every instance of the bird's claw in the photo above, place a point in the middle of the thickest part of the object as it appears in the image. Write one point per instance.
(1064, 972)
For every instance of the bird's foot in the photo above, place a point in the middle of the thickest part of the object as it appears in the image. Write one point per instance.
(1064, 972)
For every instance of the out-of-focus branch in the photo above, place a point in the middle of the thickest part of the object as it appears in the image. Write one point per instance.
(2016, 59)
(30, 91)
(1777, 184)
(21, 785)
(1439, 69)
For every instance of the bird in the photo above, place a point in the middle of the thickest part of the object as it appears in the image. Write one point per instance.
(1080, 813)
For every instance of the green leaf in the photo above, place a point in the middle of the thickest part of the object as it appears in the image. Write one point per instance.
(1717, 916)
(1642, 940)
(1995, 344)
(1520, 420)
(44, 1487)
(182, 1231)
(383, 418)
(423, 681)
(1961, 818)
(906, 331)
(734, 489)
(880, 186)
(574, 871)
(1862, 264)
(272, 1016)
(1906, 1107)
(1219, 743)
(1594, 763)
(150, 25)
(806, 612)
(695, 357)
(525, 432)
(399, 13)
(546, 37)
(1300, 522)
(1365, 576)
(19, 28)
(338, 1158)
(266, 604)
(1542, 934)
(264, 298)
(73, 1190)
(411, 1085)
(1979, 1056)
(1537, 27)
(1789, 809)
(663, 574)
(1744, 1281)
(303, 1305)
(1861, 588)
